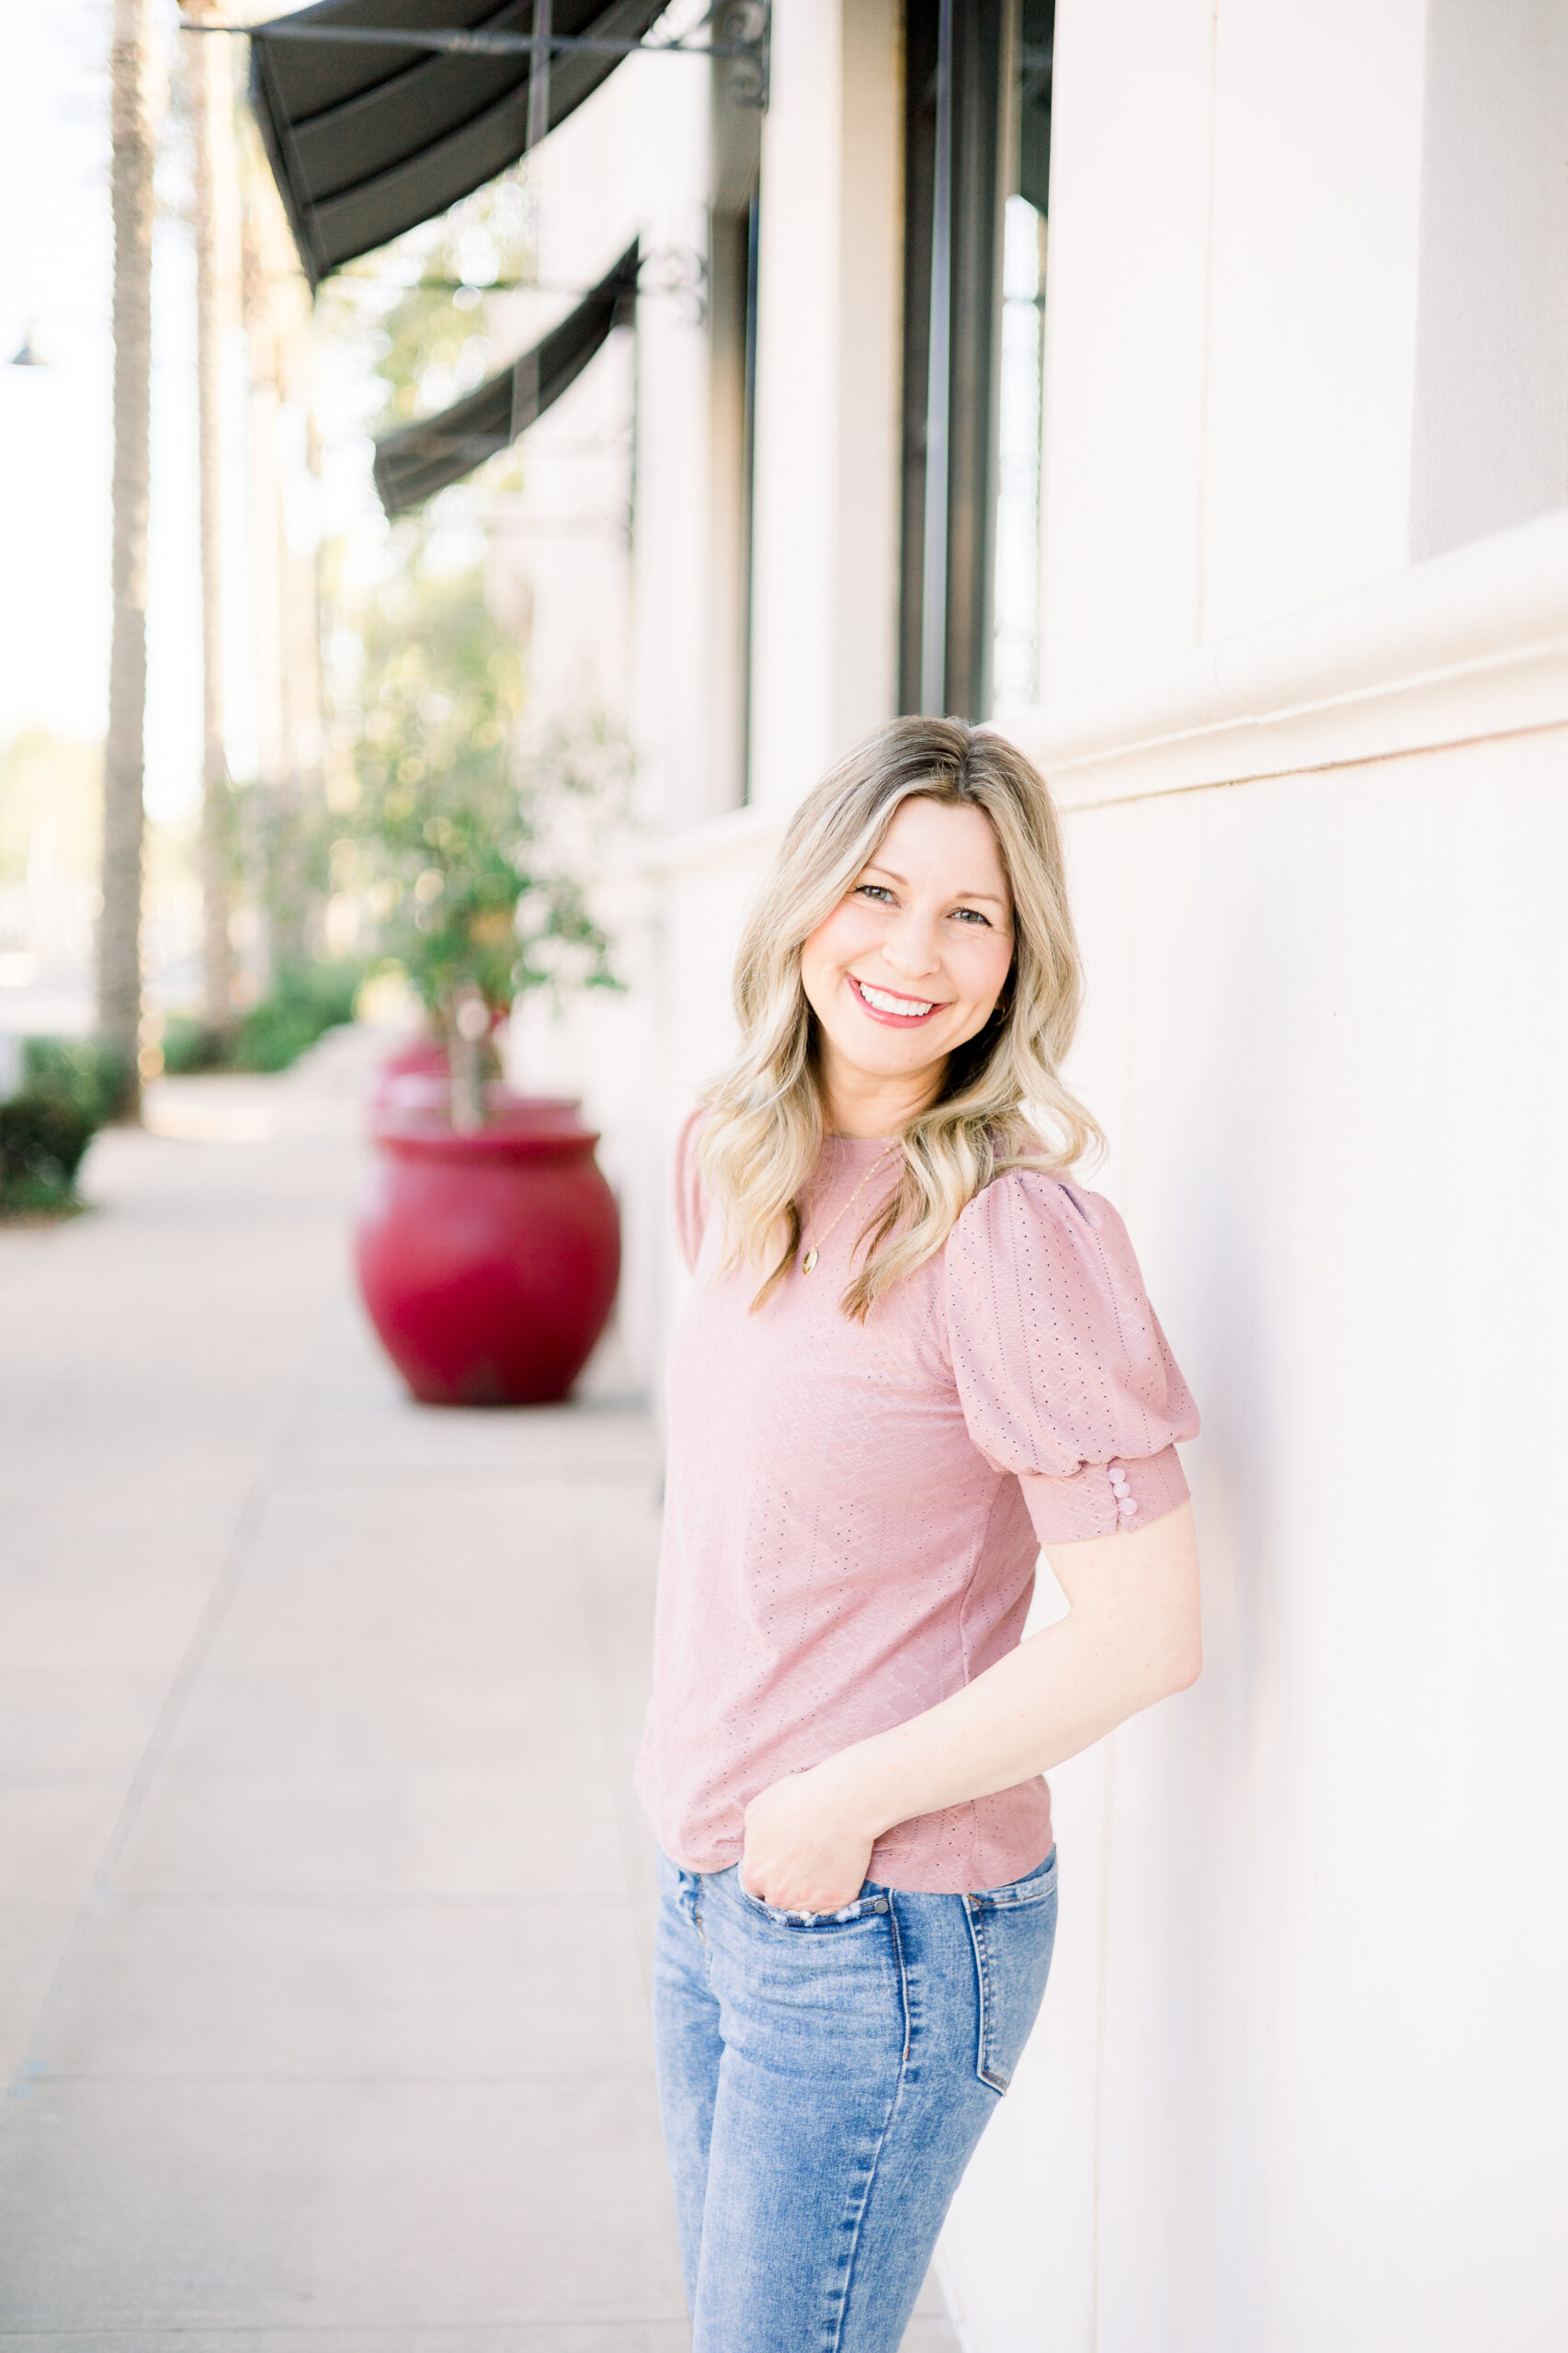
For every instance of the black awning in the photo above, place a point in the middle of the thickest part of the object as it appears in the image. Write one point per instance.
(415, 462)
(366, 138)
(1038, 42)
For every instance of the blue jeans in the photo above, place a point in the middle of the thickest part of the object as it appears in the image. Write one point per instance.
(823, 2083)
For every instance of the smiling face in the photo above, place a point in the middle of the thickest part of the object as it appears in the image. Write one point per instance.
(909, 965)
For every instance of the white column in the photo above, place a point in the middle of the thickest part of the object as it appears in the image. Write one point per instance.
(826, 564)
(668, 102)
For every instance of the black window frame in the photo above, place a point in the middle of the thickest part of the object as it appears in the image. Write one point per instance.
(968, 66)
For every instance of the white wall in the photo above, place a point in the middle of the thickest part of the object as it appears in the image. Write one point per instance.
(1125, 336)
(1491, 428)
(1308, 306)
(1300, 2075)
(1315, 228)
(1231, 325)
(672, 703)
(1312, 1911)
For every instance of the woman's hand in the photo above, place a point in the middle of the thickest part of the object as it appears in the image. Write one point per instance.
(803, 1851)
(1131, 1636)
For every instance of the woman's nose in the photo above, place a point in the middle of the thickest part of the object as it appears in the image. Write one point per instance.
(912, 947)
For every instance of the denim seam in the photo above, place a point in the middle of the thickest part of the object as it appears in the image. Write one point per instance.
(1018, 1903)
(836, 2339)
(988, 2076)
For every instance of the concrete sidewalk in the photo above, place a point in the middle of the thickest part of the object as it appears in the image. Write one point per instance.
(324, 1899)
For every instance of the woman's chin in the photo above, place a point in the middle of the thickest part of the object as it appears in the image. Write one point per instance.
(915, 1074)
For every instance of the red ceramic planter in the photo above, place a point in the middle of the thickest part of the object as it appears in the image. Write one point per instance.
(418, 1079)
(488, 1262)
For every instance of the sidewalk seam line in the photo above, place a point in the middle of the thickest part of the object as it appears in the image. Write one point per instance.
(194, 1657)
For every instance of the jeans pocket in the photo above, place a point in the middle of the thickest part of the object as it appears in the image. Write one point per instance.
(869, 1900)
(1013, 1931)
(1037, 1887)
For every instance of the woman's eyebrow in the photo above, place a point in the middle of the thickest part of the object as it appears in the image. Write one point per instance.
(994, 896)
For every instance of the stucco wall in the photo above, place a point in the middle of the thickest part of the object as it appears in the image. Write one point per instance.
(1301, 2074)
(1299, 2077)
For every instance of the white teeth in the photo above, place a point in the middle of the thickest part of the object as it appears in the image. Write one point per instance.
(906, 1007)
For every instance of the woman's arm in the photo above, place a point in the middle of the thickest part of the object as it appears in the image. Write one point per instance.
(1131, 1636)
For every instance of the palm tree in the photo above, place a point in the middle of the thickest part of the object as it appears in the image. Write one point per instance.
(211, 116)
(130, 184)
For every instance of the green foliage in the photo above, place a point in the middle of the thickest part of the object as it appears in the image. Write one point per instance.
(417, 308)
(189, 1046)
(462, 863)
(305, 1001)
(42, 1140)
(70, 1087)
(86, 1072)
(466, 859)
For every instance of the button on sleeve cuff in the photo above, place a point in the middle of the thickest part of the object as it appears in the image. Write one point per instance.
(1066, 1510)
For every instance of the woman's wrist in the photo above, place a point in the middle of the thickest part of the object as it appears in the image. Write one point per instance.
(854, 1791)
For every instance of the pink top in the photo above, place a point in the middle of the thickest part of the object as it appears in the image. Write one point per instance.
(854, 1510)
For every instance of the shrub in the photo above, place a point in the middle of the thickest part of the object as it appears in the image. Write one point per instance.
(189, 1045)
(304, 1001)
(88, 1073)
(70, 1087)
(42, 1139)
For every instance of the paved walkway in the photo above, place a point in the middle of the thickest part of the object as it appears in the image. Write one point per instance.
(324, 1900)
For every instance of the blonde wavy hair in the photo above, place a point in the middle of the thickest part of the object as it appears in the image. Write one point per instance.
(762, 1138)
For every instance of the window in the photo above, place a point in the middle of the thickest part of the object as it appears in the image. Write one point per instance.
(977, 147)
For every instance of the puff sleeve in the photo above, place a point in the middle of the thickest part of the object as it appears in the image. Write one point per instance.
(691, 1202)
(1064, 1374)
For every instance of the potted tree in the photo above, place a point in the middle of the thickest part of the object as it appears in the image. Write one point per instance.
(487, 1243)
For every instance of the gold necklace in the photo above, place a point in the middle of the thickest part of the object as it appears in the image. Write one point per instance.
(809, 1261)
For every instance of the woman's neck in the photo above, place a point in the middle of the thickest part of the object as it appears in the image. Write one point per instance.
(866, 1104)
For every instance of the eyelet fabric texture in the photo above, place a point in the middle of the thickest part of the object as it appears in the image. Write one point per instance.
(854, 1510)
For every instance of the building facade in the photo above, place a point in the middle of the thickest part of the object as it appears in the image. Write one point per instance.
(1276, 595)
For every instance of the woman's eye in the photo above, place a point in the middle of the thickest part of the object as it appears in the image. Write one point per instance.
(972, 915)
(876, 891)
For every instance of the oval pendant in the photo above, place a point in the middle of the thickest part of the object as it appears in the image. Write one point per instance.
(808, 1262)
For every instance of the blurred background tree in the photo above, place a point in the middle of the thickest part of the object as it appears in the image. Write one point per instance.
(133, 154)
(464, 842)
(471, 859)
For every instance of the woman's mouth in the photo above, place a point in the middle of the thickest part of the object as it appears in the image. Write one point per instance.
(885, 1005)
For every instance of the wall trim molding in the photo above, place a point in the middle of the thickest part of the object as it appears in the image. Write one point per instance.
(1471, 645)
(734, 836)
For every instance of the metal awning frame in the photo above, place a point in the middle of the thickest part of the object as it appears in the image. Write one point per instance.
(746, 43)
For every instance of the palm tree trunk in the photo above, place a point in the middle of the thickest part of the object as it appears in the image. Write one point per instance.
(212, 115)
(267, 545)
(130, 184)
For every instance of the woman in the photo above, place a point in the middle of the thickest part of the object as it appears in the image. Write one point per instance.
(914, 1355)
